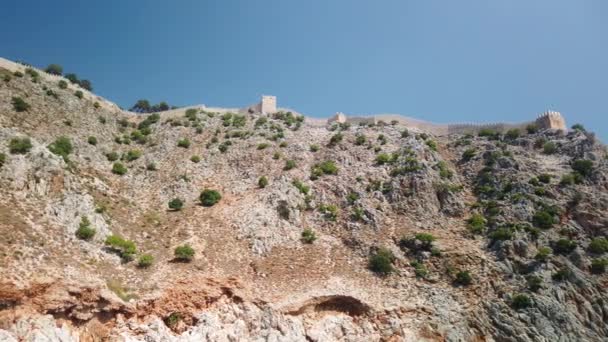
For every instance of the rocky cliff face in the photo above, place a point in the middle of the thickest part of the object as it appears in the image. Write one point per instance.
(362, 233)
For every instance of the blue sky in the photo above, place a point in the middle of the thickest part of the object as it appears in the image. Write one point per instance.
(443, 61)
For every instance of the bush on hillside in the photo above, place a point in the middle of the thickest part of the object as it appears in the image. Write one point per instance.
(78, 94)
(85, 231)
(184, 253)
(308, 236)
(62, 84)
(119, 169)
(263, 182)
(176, 204)
(54, 69)
(521, 301)
(92, 140)
(583, 166)
(185, 143)
(289, 164)
(145, 261)
(209, 197)
(598, 245)
(19, 104)
(549, 147)
(19, 145)
(125, 248)
(381, 262)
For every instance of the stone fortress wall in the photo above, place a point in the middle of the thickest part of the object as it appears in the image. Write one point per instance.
(546, 120)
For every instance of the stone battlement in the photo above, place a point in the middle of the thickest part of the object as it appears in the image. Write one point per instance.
(546, 120)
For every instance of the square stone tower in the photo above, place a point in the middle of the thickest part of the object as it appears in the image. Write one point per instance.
(551, 120)
(268, 104)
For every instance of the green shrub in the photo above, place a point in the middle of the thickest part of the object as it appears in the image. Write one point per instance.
(19, 145)
(583, 166)
(18, 74)
(289, 164)
(579, 127)
(308, 235)
(549, 147)
(195, 159)
(419, 269)
(19, 104)
(209, 197)
(383, 158)
(184, 253)
(501, 234)
(330, 211)
(185, 143)
(571, 179)
(327, 167)
(73, 78)
(564, 246)
(283, 144)
(598, 245)
(543, 254)
(85, 231)
(263, 146)
(468, 154)
(2, 159)
(598, 266)
(405, 133)
(521, 301)
(125, 248)
(262, 182)
(119, 169)
(477, 223)
(426, 239)
(304, 189)
(7, 78)
(112, 156)
(54, 69)
(132, 155)
(360, 140)
(543, 219)
(463, 278)
(78, 94)
(92, 140)
(191, 114)
(176, 204)
(62, 84)
(545, 178)
(276, 156)
(431, 144)
(381, 262)
(513, 134)
(534, 283)
(314, 148)
(151, 166)
(562, 274)
(145, 260)
(531, 128)
(335, 139)
(352, 197)
(62, 146)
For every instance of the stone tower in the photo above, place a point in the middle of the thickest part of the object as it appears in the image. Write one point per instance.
(268, 104)
(551, 120)
(339, 118)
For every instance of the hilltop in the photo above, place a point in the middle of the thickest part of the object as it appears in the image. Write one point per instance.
(219, 224)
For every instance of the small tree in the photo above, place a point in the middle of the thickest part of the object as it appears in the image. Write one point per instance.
(62, 84)
(263, 182)
(19, 104)
(583, 166)
(184, 253)
(79, 94)
(209, 197)
(72, 78)
(19, 145)
(308, 236)
(92, 140)
(176, 204)
(54, 69)
(86, 84)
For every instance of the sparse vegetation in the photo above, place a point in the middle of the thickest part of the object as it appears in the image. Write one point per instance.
(145, 260)
(195, 159)
(54, 69)
(92, 140)
(62, 84)
(463, 278)
(289, 164)
(549, 147)
(184, 143)
(521, 301)
(125, 248)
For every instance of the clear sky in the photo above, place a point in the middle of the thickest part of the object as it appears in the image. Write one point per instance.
(443, 61)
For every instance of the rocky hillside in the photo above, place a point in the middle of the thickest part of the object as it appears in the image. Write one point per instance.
(219, 226)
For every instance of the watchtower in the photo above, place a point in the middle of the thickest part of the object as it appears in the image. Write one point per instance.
(551, 120)
(268, 104)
